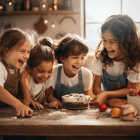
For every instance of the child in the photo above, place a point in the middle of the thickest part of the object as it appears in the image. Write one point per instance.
(70, 76)
(117, 59)
(39, 67)
(15, 48)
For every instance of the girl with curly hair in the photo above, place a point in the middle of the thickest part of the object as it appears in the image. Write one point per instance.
(116, 67)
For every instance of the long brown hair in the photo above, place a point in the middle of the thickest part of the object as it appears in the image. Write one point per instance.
(13, 37)
(124, 28)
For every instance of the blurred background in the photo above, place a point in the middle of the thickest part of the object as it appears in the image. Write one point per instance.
(55, 18)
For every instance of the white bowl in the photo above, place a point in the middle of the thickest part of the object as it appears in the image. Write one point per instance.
(135, 101)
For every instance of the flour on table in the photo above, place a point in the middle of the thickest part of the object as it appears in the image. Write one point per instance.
(57, 113)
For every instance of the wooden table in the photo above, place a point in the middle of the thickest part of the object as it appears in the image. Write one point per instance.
(67, 124)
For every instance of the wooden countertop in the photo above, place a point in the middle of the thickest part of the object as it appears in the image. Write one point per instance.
(62, 122)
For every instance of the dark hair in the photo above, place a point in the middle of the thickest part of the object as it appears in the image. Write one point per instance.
(13, 37)
(71, 44)
(48, 42)
(124, 28)
(39, 54)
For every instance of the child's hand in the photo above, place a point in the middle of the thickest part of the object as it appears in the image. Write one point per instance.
(99, 99)
(24, 111)
(55, 104)
(45, 103)
(29, 101)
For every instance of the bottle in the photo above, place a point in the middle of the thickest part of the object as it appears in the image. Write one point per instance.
(26, 4)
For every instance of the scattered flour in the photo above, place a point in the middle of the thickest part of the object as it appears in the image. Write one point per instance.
(14, 117)
(57, 113)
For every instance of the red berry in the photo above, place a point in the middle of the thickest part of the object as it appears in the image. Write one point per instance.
(103, 107)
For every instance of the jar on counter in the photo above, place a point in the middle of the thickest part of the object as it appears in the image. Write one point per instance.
(9, 6)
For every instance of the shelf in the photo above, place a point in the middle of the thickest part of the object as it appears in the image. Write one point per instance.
(35, 12)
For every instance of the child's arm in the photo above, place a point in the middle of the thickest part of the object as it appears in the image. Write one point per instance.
(97, 84)
(24, 82)
(87, 92)
(9, 99)
(103, 95)
(53, 102)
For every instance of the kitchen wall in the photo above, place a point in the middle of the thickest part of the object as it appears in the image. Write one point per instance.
(26, 22)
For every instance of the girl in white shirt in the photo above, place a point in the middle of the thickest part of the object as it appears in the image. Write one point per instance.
(117, 61)
(37, 78)
(15, 46)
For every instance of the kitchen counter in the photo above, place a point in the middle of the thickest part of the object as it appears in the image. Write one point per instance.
(67, 123)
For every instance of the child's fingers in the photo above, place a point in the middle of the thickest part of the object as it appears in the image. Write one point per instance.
(60, 105)
(38, 105)
(57, 104)
(23, 113)
(94, 103)
(18, 113)
(29, 113)
(34, 105)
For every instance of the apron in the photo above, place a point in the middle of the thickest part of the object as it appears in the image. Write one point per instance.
(40, 97)
(12, 82)
(111, 82)
(62, 89)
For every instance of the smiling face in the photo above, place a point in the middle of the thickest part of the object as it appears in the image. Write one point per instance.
(15, 58)
(72, 64)
(42, 72)
(111, 43)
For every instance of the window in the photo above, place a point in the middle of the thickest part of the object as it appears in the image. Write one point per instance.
(97, 11)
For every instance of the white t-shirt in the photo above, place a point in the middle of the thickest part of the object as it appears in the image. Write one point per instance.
(4, 74)
(86, 75)
(35, 89)
(116, 69)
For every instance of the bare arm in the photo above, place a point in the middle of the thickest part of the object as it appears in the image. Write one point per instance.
(24, 82)
(9, 99)
(97, 84)
(103, 95)
(53, 102)
(86, 92)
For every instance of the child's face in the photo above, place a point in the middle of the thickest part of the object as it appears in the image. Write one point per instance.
(42, 72)
(16, 57)
(72, 64)
(111, 44)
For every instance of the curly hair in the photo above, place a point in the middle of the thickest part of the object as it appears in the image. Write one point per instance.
(124, 28)
(70, 44)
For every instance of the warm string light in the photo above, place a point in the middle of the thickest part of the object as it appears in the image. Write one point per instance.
(53, 25)
(10, 3)
(55, 5)
(43, 6)
(46, 21)
(1, 7)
